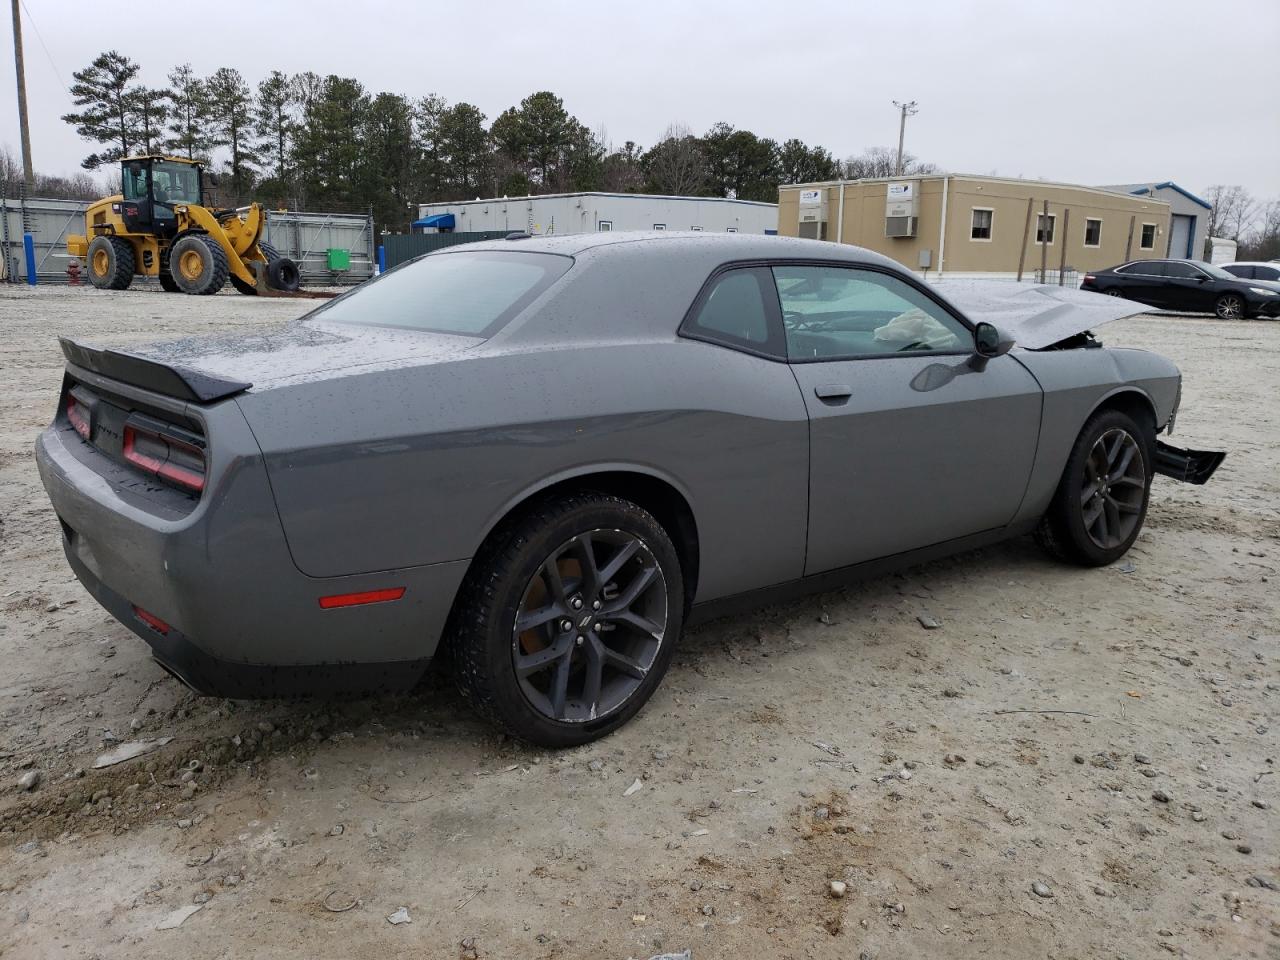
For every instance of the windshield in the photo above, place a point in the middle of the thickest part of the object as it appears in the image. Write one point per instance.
(472, 294)
(175, 182)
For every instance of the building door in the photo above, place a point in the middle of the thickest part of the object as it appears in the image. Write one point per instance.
(1181, 231)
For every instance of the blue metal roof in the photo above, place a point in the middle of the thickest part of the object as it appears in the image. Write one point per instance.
(1173, 186)
(441, 221)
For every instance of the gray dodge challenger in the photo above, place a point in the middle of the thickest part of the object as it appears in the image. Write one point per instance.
(543, 457)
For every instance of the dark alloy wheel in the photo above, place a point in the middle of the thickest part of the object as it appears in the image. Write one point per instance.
(1113, 488)
(568, 619)
(1230, 306)
(1114, 292)
(1101, 501)
(590, 626)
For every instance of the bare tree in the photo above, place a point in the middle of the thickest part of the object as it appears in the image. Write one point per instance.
(677, 164)
(1233, 210)
(879, 162)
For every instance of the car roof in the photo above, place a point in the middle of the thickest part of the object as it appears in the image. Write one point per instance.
(732, 246)
(1251, 263)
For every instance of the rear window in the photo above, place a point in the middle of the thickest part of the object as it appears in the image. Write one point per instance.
(471, 294)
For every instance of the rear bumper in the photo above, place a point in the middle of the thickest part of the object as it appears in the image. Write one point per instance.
(243, 620)
(209, 675)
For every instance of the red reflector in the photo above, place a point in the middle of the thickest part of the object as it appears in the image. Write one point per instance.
(151, 620)
(77, 415)
(355, 599)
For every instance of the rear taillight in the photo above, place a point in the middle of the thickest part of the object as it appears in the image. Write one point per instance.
(161, 453)
(78, 414)
(1089, 278)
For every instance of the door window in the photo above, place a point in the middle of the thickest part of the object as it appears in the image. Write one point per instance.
(837, 312)
(1181, 271)
(734, 311)
(1146, 268)
(1266, 273)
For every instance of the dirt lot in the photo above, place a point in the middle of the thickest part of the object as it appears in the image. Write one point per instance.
(1110, 734)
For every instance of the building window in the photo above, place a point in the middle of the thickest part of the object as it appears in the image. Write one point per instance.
(1148, 236)
(730, 229)
(1044, 227)
(980, 228)
(605, 226)
(659, 226)
(696, 229)
(1092, 233)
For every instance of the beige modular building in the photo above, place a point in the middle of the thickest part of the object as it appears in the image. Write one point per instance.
(975, 226)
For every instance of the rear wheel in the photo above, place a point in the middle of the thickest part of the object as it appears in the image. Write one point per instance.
(1230, 306)
(1101, 500)
(568, 619)
(111, 263)
(198, 265)
(1114, 292)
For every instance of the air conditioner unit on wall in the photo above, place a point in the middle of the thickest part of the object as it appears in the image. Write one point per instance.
(900, 226)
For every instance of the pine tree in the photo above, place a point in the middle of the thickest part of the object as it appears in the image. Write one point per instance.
(103, 89)
(188, 115)
(229, 113)
(274, 123)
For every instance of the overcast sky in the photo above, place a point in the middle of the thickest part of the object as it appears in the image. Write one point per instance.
(1086, 92)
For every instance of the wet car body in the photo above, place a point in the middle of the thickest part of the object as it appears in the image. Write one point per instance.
(352, 471)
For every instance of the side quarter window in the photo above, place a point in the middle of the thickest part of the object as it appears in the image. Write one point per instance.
(738, 309)
(831, 312)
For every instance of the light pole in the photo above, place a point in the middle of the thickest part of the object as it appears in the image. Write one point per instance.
(907, 110)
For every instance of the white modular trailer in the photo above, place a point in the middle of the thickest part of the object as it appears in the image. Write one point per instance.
(569, 213)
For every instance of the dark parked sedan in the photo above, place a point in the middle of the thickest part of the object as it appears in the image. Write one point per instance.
(548, 455)
(1190, 285)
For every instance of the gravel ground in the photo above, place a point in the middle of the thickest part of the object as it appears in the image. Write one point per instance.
(1075, 764)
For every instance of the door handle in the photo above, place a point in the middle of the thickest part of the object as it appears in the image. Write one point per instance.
(833, 391)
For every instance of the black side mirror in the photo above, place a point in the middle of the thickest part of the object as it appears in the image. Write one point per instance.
(988, 343)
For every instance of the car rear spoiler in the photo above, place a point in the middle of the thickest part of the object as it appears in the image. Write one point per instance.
(181, 383)
(1189, 466)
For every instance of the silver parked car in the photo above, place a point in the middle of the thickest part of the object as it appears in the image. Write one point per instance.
(549, 455)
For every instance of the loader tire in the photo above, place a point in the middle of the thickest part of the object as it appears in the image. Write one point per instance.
(198, 265)
(167, 283)
(111, 263)
(269, 253)
(283, 274)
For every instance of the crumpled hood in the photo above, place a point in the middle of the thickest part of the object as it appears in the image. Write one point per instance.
(304, 350)
(1036, 315)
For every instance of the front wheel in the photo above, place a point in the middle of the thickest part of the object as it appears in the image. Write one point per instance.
(568, 619)
(197, 264)
(1101, 501)
(1230, 306)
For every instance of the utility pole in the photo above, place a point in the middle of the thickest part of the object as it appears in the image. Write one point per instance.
(907, 110)
(27, 173)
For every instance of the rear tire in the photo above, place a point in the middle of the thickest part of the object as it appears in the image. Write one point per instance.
(198, 265)
(111, 263)
(1230, 306)
(1101, 502)
(599, 583)
(1114, 292)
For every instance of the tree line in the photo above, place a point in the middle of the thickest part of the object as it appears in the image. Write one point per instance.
(325, 142)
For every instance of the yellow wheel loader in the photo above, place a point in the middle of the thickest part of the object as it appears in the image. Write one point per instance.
(159, 227)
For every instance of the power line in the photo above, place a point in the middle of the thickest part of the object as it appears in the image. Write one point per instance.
(39, 36)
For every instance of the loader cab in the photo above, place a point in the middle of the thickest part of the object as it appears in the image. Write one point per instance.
(152, 188)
